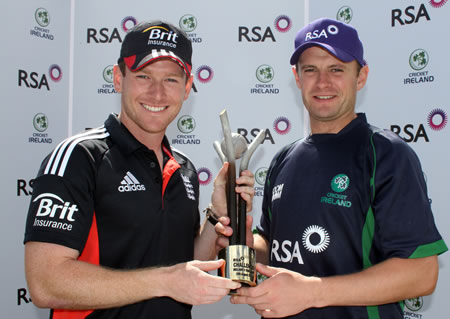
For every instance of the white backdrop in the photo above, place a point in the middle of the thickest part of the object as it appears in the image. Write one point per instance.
(56, 82)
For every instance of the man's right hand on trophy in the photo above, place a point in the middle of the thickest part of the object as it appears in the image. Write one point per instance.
(224, 231)
(244, 187)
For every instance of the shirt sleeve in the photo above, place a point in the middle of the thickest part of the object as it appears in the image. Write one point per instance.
(62, 206)
(405, 225)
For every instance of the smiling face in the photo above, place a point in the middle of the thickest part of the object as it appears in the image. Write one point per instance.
(151, 98)
(328, 88)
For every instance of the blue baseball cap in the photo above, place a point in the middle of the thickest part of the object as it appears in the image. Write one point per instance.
(338, 38)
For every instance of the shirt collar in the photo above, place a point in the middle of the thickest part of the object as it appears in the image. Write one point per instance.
(121, 136)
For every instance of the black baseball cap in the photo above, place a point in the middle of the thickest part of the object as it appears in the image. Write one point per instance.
(152, 40)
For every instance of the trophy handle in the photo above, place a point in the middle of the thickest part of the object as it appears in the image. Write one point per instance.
(218, 149)
(251, 149)
(242, 206)
(231, 180)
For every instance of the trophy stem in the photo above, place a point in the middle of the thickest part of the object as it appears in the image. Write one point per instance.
(231, 181)
(242, 216)
(231, 203)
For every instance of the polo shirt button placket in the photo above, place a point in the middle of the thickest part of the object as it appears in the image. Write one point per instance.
(157, 179)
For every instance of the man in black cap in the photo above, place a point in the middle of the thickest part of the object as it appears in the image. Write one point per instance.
(113, 224)
(346, 226)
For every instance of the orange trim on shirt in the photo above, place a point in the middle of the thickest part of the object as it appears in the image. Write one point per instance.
(90, 254)
(170, 168)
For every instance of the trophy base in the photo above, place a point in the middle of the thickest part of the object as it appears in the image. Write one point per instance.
(240, 265)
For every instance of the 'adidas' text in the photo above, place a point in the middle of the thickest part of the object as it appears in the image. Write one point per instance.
(131, 188)
(130, 184)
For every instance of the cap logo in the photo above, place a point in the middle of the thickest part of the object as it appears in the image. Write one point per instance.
(317, 34)
(161, 36)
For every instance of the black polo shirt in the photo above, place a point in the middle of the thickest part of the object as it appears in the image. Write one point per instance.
(102, 192)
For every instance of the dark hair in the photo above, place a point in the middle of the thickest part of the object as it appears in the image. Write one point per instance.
(122, 67)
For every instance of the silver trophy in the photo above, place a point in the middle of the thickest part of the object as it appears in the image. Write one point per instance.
(240, 260)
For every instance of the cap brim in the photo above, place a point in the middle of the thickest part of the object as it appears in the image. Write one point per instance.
(338, 53)
(139, 61)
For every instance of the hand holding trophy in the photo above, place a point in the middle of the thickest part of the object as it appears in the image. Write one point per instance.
(240, 260)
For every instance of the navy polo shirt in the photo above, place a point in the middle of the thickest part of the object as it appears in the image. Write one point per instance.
(336, 204)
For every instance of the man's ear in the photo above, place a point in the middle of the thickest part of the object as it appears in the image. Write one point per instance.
(188, 87)
(297, 78)
(117, 78)
(362, 77)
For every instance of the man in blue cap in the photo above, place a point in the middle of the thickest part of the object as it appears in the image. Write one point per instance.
(346, 226)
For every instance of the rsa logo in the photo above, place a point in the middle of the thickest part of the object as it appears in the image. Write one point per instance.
(35, 80)
(409, 15)
(409, 133)
(103, 35)
(23, 296)
(252, 133)
(25, 187)
(107, 35)
(437, 120)
(282, 24)
(255, 34)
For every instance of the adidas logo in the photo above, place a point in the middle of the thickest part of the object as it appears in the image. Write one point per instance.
(130, 184)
